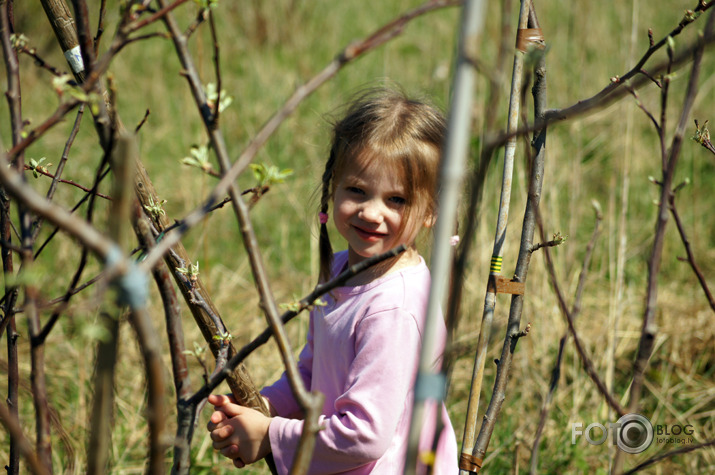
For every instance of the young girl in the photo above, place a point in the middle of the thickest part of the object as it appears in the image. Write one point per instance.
(363, 347)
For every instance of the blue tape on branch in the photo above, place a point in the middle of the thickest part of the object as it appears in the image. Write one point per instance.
(430, 386)
(132, 285)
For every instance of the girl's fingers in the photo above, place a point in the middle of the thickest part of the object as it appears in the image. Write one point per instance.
(238, 463)
(230, 451)
(220, 436)
(216, 420)
(225, 404)
(218, 399)
(221, 399)
(231, 409)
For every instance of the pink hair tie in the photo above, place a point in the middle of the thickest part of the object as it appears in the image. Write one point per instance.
(323, 217)
(454, 240)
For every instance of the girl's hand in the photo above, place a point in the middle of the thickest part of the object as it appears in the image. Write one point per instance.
(238, 432)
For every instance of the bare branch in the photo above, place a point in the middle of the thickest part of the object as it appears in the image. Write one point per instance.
(556, 241)
(649, 328)
(55, 178)
(12, 425)
(689, 252)
(585, 360)
(159, 15)
(679, 451)
(98, 449)
(60, 167)
(239, 381)
(556, 371)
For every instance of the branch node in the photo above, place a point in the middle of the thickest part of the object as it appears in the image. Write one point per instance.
(522, 333)
(702, 136)
(680, 186)
(557, 240)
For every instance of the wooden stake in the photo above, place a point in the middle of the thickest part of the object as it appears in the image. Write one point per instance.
(490, 299)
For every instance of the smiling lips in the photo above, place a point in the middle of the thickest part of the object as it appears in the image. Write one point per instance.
(368, 235)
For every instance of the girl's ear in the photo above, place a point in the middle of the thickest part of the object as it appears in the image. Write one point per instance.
(429, 221)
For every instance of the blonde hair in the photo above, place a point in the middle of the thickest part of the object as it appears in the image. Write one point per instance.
(383, 127)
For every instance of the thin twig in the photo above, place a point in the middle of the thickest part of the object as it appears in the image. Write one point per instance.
(217, 68)
(142, 122)
(39, 62)
(645, 110)
(556, 371)
(32, 135)
(682, 450)
(649, 328)
(194, 25)
(60, 166)
(38, 374)
(12, 425)
(74, 208)
(159, 15)
(64, 300)
(41, 171)
(552, 243)
(103, 384)
(100, 25)
(689, 252)
(585, 359)
(650, 76)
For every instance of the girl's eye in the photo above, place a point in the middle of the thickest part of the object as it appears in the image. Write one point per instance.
(355, 189)
(398, 200)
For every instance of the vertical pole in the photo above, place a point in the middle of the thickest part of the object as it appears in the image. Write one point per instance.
(430, 383)
(467, 464)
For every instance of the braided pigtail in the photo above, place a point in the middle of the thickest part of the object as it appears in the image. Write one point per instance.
(326, 249)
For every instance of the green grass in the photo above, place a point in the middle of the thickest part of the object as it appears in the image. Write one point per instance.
(270, 47)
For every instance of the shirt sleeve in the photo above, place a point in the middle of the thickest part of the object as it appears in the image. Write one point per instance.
(280, 393)
(375, 399)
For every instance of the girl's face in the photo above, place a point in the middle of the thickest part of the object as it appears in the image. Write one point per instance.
(369, 205)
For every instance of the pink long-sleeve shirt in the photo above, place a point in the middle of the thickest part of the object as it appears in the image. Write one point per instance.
(362, 353)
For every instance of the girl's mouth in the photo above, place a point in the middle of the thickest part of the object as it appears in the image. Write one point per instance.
(368, 235)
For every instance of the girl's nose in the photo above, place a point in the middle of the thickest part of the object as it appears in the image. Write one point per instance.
(371, 212)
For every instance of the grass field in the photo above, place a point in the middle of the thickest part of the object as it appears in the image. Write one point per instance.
(270, 47)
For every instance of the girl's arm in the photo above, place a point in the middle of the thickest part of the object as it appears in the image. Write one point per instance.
(280, 395)
(374, 406)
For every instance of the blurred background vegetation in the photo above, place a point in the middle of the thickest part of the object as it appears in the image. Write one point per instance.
(270, 47)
